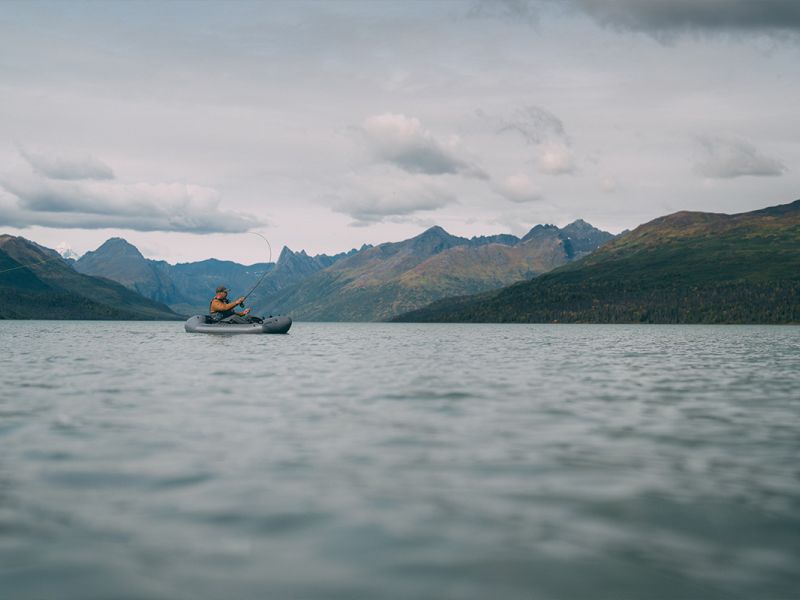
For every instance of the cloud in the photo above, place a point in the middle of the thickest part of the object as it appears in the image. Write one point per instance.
(542, 129)
(536, 125)
(556, 159)
(103, 204)
(369, 201)
(405, 143)
(655, 16)
(726, 158)
(518, 188)
(67, 166)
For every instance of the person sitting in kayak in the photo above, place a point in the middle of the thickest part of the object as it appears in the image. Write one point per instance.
(222, 310)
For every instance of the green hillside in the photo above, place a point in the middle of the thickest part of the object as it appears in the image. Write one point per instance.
(688, 267)
(37, 284)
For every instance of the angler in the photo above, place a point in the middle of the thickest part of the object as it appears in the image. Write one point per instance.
(222, 311)
(224, 319)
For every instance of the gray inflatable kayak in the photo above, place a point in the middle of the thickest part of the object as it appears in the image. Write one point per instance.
(201, 324)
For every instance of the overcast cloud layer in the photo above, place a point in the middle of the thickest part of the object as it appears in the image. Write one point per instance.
(326, 125)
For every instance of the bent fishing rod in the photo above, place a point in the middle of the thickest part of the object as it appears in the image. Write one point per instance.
(266, 271)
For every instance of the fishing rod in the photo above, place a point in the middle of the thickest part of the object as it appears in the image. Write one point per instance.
(266, 271)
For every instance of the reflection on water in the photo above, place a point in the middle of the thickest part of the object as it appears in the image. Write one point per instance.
(399, 461)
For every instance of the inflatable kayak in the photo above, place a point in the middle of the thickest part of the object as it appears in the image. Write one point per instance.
(201, 324)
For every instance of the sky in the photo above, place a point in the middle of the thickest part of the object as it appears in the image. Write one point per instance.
(181, 126)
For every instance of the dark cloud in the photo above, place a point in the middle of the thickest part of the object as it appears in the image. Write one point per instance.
(677, 15)
(726, 158)
(536, 125)
(65, 166)
(139, 206)
(657, 16)
(405, 143)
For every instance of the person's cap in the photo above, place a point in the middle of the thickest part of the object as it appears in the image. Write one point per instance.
(222, 288)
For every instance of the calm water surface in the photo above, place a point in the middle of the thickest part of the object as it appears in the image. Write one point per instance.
(399, 461)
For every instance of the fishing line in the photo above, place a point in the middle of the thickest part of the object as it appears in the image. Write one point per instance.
(41, 262)
(266, 271)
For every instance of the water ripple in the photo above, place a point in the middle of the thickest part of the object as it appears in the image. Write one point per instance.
(399, 461)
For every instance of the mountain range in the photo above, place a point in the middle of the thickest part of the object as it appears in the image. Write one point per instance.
(381, 282)
(688, 267)
(37, 283)
(368, 284)
(188, 287)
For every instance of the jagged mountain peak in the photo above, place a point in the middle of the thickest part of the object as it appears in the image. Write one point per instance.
(543, 227)
(579, 224)
(436, 232)
(538, 231)
(285, 254)
(66, 251)
(505, 239)
(585, 237)
(433, 240)
(288, 256)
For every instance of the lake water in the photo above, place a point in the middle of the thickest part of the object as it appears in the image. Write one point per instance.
(399, 461)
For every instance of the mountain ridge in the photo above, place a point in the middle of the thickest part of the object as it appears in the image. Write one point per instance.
(397, 276)
(44, 285)
(188, 287)
(688, 267)
(371, 283)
